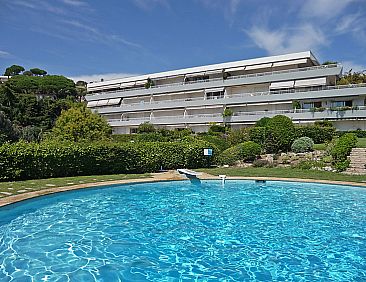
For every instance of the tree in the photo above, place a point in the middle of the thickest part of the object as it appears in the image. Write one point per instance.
(352, 78)
(57, 85)
(81, 89)
(13, 70)
(80, 124)
(37, 71)
(7, 129)
(28, 73)
(330, 63)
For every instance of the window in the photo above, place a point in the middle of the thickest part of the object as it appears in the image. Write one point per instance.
(215, 95)
(310, 105)
(133, 130)
(342, 103)
(317, 104)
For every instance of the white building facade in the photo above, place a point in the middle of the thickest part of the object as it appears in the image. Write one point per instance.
(295, 85)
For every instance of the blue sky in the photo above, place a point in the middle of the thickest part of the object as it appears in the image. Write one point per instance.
(114, 38)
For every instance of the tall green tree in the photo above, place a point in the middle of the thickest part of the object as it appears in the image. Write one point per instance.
(37, 71)
(7, 129)
(80, 124)
(13, 70)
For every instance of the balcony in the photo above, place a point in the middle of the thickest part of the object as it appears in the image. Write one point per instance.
(291, 74)
(297, 115)
(244, 98)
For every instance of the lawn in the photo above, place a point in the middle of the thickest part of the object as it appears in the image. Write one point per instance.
(285, 173)
(361, 143)
(17, 187)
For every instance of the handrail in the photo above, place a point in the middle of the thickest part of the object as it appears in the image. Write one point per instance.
(221, 78)
(289, 111)
(244, 95)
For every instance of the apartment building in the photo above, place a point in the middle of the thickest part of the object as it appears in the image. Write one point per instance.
(295, 85)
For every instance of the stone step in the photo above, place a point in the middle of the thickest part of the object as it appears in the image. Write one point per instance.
(358, 171)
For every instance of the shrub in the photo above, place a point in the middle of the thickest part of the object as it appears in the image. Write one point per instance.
(30, 160)
(308, 164)
(280, 133)
(246, 151)
(227, 112)
(263, 122)
(319, 134)
(257, 135)
(302, 145)
(324, 123)
(238, 136)
(217, 141)
(216, 129)
(262, 163)
(124, 137)
(359, 133)
(341, 149)
(146, 127)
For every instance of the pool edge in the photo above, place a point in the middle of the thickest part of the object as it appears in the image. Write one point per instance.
(156, 177)
(159, 177)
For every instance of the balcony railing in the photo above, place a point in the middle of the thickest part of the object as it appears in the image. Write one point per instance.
(244, 95)
(228, 78)
(238, 114)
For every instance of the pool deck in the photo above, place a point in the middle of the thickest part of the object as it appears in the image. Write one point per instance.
(163, 176)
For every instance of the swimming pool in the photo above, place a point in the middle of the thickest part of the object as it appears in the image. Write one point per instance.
(172, 231)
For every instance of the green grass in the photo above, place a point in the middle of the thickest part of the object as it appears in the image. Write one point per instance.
(18, 187)
(361, 143)
(285, 173)
(320, 147)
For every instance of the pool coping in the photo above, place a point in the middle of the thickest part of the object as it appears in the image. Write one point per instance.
(157, 177)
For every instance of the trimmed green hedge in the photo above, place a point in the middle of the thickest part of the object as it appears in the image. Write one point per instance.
(318, 134)
(247, 151)
(359, 133)
(342, 149)
(30, 160)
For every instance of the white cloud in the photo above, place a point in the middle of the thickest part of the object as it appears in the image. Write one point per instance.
(349, 65)
(149, 4)
(4, 54)
(98, 77)
(282, 41)
(94, 34)
(324, 9)
(76, 3)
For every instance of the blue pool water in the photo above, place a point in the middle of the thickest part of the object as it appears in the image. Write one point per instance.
(178, 231)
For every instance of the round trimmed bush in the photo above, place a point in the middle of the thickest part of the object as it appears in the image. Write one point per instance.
(247, 151)
(280, 133)
(302, 145)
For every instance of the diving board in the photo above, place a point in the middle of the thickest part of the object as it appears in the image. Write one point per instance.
(189, 173)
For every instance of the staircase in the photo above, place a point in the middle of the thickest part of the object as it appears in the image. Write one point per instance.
(358, 161)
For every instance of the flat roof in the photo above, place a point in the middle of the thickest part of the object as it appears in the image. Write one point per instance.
(234, 64)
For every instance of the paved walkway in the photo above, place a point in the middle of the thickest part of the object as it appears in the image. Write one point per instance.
(13, 198)
(6, 199)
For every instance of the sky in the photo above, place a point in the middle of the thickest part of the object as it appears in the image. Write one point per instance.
(108, 39)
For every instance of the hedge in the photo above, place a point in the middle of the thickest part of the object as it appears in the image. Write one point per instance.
(31, 160)
(246, 151)
(319, 134)
(359, 133)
